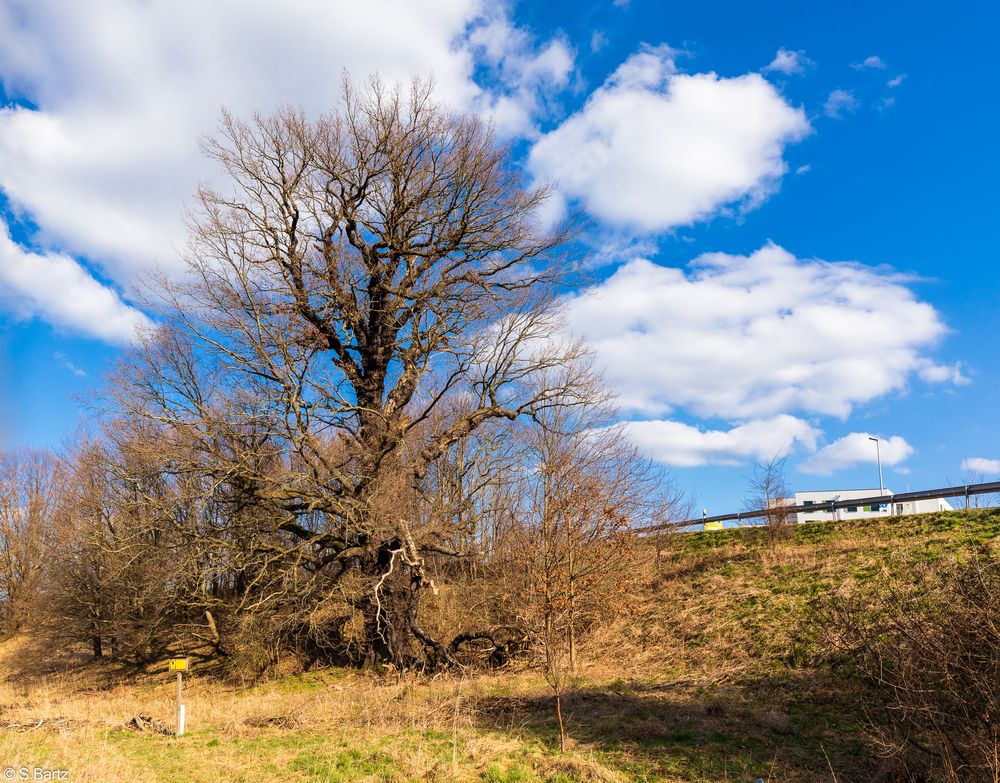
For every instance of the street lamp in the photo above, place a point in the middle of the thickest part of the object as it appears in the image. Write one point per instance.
(878, 456)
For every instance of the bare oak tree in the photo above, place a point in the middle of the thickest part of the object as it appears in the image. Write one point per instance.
(371, 289)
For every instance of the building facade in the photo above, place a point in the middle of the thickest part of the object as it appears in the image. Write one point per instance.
(820, 497)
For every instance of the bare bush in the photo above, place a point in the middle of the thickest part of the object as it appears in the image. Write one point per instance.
(931, 646)
(971, 474)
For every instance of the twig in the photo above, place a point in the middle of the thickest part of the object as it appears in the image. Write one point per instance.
(828, 762)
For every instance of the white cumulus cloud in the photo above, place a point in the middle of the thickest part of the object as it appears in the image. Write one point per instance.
(122, 91)
(942, 373)
(525, 75)
(789, 62)
(988, 467)
(57, 288)
(856, 449)
(743, 337)
(683, 445)
(106, 153)
(653, 148)
(101, 149)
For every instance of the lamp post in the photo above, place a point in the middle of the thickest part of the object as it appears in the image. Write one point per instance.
(878, 456)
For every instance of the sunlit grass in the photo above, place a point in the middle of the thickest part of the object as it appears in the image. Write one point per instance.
(714, 675)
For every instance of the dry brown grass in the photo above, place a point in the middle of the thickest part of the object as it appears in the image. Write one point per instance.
(327, 725)
(709, 677)
(337, 725)
(726, 605)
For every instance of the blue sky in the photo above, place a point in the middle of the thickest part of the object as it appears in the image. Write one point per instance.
(837, 200)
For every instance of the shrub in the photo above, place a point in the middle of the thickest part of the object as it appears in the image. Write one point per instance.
(931, 647)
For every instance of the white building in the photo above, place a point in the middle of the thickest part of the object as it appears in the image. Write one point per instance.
(821, 497)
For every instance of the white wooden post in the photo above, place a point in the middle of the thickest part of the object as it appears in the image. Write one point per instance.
(180, 707)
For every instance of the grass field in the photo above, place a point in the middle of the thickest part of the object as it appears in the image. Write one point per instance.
(714, 674)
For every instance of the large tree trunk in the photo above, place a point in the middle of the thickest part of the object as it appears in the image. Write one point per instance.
(379, 636)
(387, 609)
(393, 633)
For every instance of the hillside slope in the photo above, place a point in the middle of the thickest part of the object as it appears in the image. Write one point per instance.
(716, 673)
(737, 601)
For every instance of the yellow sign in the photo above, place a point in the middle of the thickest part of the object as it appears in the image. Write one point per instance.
(713, 526)
(178, 664)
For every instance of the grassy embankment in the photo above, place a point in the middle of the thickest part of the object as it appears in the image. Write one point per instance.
(715, 674)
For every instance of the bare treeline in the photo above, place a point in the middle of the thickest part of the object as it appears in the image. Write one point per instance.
(355, 433)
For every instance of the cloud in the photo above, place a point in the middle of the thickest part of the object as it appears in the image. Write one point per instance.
(895, 81)
(747, 337)
(789, 62)
(942, 373)
(682, 445)
(63, 361)
(101, 149)
(653, 149)
(988, 467)
(124, 90)
(856, 449)
(838, 102)
(57, 288)
(874, 61)
(598, 40)
(522, 75)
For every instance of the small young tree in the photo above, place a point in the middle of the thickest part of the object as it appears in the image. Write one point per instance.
(972, 474)
(584, 487)
(113, 578)
(80, 588)
(768, 492)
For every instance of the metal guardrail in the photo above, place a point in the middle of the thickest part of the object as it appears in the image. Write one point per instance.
(963, 490)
